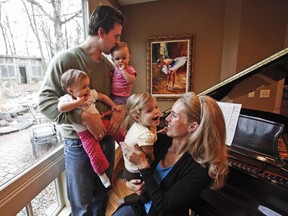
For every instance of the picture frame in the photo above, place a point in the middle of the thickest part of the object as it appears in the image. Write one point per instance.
(169, 65)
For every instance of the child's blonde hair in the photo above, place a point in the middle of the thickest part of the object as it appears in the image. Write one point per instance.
(70, 76)
(119, 46)
(135, 103)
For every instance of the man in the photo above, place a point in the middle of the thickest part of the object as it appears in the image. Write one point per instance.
(86, 193)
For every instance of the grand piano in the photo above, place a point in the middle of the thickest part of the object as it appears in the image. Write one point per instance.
(257, 182)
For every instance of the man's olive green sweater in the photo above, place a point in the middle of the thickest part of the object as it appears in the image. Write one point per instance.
(50, 91)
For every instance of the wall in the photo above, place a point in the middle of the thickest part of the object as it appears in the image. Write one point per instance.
(229, 35)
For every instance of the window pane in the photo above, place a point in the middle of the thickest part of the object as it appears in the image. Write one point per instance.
(28, 41)
(17, 151)
(4, 71)
(45, 203)
(11, 71)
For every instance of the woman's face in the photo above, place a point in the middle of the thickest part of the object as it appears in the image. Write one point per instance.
(177, 121)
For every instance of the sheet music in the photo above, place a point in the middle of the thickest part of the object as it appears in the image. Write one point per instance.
(231, 113)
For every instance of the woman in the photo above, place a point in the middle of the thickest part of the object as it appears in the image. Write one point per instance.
(193, 159)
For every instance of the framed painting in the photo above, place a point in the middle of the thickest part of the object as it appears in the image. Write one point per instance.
(169, 66)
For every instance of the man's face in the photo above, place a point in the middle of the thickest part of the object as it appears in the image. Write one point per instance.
(111, 38)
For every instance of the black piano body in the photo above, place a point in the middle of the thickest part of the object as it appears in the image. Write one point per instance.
(257, 182)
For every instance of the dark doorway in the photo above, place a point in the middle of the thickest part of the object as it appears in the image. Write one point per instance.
(23, 75)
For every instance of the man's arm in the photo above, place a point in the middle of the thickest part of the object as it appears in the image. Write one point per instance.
(94, 124)
(116, 121)
(51, 90)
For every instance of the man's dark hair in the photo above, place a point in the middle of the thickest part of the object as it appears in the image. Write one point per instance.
(106, 17)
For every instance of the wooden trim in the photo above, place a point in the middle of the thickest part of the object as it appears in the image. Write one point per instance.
(19, 191)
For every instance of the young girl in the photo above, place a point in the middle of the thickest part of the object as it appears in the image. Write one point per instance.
(124, 75)
(76, 83)
(143, 116)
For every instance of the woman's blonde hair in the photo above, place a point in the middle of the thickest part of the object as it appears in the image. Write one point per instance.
(134, 104)
(207, 143)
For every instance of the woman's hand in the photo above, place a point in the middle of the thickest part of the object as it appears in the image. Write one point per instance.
(135, 155)
(136, 185)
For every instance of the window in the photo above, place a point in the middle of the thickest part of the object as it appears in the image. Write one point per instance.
(36, 71)
(8, 71)
(30, 37)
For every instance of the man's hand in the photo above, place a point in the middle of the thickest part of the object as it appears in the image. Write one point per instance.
(116, 121)
(94, 124)
(117, 108)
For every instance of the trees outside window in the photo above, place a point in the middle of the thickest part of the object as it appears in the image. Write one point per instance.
(32, 32)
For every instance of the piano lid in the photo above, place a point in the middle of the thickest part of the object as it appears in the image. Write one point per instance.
(262, 74)
(258, 172)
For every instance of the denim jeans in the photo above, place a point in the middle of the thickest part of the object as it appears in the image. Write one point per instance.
(86, 193)
(126, 210)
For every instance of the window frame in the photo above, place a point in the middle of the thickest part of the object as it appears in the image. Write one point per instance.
(20, 190)
(7, 68)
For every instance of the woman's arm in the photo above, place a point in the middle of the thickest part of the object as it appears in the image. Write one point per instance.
(149, 152)
(179, 188)
(135, 155)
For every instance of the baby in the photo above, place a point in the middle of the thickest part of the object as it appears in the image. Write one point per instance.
(76, 83)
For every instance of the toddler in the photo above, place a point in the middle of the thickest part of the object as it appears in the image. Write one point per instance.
(76, 83)
(124, 75)
(142, 119)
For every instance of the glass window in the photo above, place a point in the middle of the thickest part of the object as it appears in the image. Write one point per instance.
(4, 71)
(8, 71)
(30, 37)
(36, 71)
(45, 203)
(11, 71)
